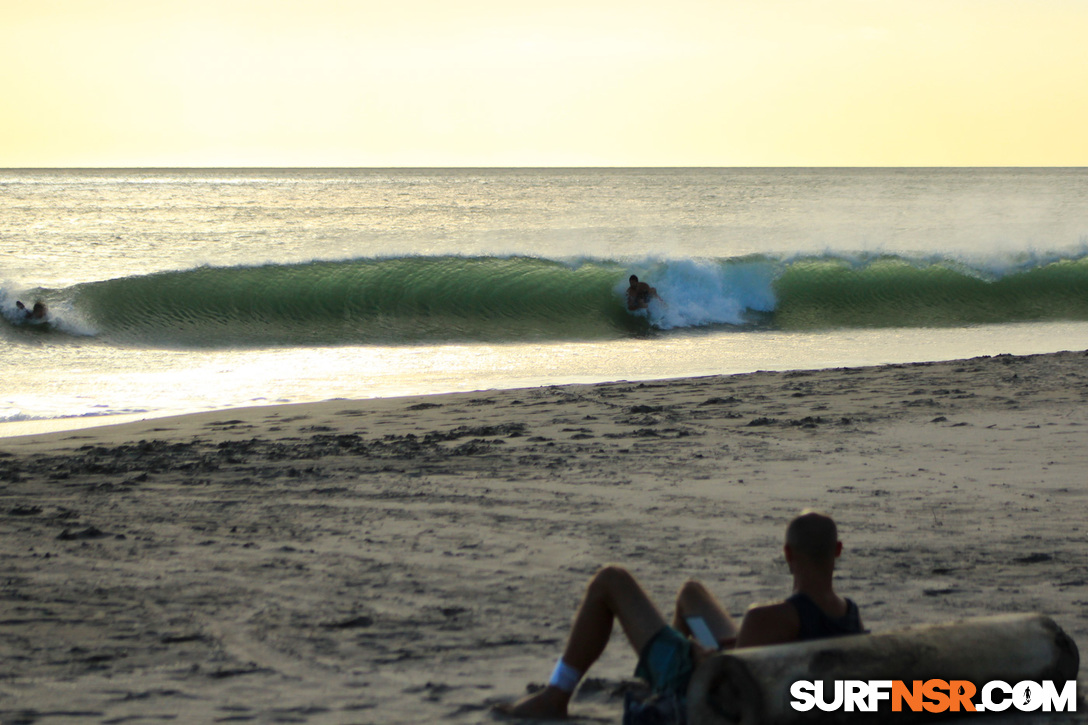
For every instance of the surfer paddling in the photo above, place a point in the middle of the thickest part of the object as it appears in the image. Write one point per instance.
(668, 654)
(639, 294)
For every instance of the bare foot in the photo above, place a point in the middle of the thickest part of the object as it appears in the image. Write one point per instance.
(547, 704)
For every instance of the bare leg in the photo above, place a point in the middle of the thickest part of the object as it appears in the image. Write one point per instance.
(612, 594)
(695, 600)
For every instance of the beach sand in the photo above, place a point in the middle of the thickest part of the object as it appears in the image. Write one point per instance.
(415, 560)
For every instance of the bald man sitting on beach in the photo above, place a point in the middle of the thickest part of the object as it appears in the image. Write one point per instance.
(668, 655)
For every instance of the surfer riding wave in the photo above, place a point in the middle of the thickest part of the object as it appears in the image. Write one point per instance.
(37, 312)
(639, 294)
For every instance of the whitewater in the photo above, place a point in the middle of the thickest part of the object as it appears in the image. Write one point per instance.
(173, 291)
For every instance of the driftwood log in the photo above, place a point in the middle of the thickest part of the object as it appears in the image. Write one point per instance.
(752, 685)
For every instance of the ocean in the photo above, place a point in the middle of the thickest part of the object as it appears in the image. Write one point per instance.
(181, 290)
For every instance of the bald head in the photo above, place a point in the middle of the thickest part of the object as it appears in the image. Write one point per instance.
(814, 537)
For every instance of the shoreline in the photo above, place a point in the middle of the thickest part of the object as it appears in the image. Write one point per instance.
(416, 559)
(693, 354)
(41, 426)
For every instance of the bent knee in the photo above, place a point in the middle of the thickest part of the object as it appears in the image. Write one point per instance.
(693, 587)
(611, 577)
(692, 590)
(613, 572)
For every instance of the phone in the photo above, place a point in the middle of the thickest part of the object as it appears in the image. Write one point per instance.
(702, 632)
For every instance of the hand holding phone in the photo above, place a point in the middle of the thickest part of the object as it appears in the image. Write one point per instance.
(701, 632)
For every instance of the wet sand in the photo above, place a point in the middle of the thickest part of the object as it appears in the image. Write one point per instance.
(415, 560)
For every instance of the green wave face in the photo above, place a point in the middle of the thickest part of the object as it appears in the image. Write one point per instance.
(509, 299)
(363, 301)
(894, 292)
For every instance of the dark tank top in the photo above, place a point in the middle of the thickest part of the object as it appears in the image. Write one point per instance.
(816, 625)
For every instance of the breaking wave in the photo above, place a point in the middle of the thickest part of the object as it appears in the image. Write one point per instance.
(497, 299)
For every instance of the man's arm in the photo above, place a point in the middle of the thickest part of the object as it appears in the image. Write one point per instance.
(769, 624)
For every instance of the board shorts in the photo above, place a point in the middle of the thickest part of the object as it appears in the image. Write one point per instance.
(665, 663)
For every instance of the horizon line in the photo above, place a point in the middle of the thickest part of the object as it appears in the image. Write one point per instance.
(274, 167)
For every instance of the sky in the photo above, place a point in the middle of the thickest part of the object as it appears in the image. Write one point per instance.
(429, 83)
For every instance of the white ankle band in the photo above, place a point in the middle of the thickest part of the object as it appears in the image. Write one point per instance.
(565, 677)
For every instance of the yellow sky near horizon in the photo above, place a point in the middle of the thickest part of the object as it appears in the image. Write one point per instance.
(534, 83)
